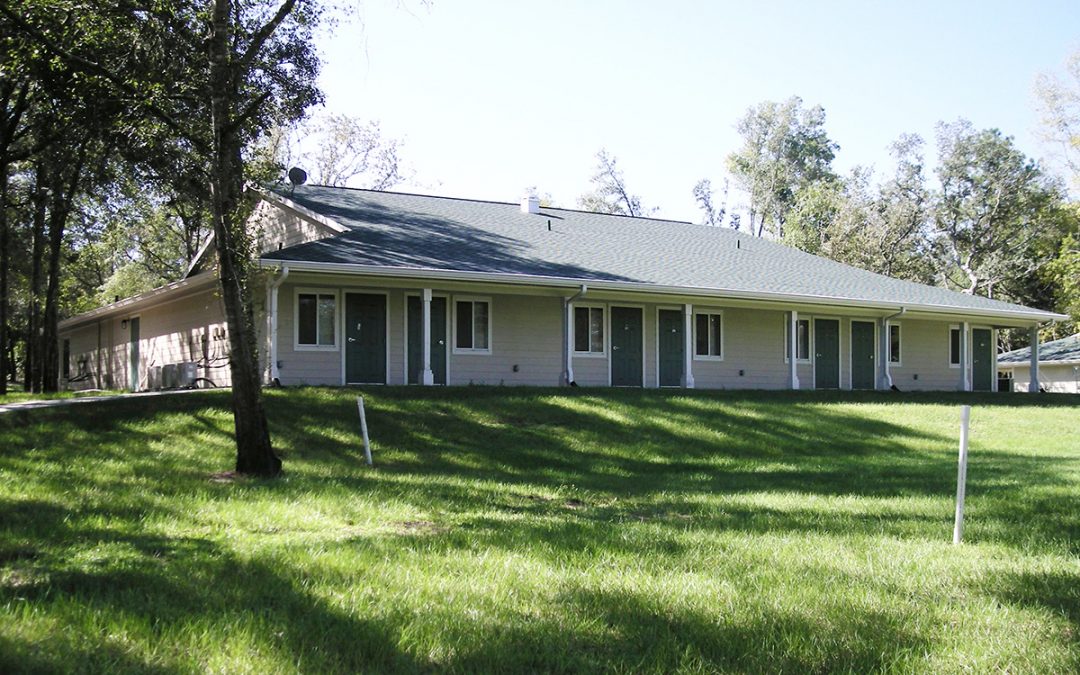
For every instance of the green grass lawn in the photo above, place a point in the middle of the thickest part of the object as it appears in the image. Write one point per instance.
(543, 530)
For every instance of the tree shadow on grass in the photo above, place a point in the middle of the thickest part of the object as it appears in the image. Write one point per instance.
(173, 589)
(621, 631)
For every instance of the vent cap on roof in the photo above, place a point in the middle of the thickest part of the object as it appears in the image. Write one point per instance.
(530, 203)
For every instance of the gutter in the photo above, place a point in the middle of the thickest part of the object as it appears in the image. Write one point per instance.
(272, 290)
(639, 287)
(567, 308)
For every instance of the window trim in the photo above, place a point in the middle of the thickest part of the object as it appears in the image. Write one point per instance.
(809, 319)
(959, 328)
(602, 354)
(899, 363)
(297, 292)
(490, 321)
(708, 311)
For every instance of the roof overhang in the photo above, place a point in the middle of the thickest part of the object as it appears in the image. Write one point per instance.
(301, 211)
(176, 290)
(1018, 318)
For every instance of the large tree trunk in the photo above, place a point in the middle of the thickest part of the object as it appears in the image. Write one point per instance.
(4, 262)
(63, 196)
(32, 378)
(254, 454)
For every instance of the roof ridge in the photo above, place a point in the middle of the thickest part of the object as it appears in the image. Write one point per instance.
(501, 203)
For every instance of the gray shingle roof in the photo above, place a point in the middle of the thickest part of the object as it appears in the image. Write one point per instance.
(1065, 349)
(410, 232)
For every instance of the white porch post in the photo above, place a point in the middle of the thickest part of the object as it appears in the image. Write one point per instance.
(1033, 386)
(793, 348)
(427, 378)
(885, 375)
(688, 346)
(965, 356)
(568, 326)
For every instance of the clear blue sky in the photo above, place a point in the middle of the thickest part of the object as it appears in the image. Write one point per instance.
(492, 97)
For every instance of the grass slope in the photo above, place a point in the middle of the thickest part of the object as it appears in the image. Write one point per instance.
(543, 530)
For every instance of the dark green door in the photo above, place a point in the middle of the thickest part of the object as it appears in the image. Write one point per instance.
(626, 346)
(133, 369)
(982, 359)
(438, 339)
(826, 354)
(365, 338)
(862, 355)
(671, 343)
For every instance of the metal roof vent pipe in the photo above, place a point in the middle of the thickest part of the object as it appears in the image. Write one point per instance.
(530, 203)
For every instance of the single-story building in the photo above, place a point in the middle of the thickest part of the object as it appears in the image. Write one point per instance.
(1058, 364)
(370, 287)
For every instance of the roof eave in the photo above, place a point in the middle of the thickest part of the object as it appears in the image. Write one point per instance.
(1031, 316)
(304, 212)
(194, 283)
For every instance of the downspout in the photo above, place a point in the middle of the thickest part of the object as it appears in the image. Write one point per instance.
(568, 375)
(886, 356)
(272, 356)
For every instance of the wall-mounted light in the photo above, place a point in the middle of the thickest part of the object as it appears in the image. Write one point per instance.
(123, 324)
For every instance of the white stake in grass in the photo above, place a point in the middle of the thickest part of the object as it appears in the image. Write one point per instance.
(363, 429)
(961, 475)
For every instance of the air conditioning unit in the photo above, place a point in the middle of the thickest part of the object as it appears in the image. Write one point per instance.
(153, 378)
(168, 376)
(186, 374)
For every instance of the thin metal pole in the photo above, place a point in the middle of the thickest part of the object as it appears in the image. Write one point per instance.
(363, 429)
(961, 474)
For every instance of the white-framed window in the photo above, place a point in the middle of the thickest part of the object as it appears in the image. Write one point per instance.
(894, 344)
(472, 325)
(802, 344)
(955, 346)
(709, 335)
(315, 320)
(589, 330)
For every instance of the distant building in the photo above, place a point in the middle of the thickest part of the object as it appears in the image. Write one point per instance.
(1059, 366)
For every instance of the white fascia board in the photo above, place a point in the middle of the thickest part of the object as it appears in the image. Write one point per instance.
(199, 255)
(1025, 317)
(162, 293)
(305, 213)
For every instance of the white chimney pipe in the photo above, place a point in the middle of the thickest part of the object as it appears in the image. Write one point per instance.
(530, 203)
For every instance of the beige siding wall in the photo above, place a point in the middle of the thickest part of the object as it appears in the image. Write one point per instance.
(754, 344)
(297, 365)
(276, 228)
(1062, 379)
(188, 329)
(527, 332)
(924, 358)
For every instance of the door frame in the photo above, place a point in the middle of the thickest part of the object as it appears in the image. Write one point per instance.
(641, 311)
(345, 292)
(851, 348)
(138, 378)
(993, 354)
(668, 308)
(839, 348)
(405, 323)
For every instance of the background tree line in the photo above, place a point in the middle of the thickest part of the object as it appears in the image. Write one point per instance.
(988, 220)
